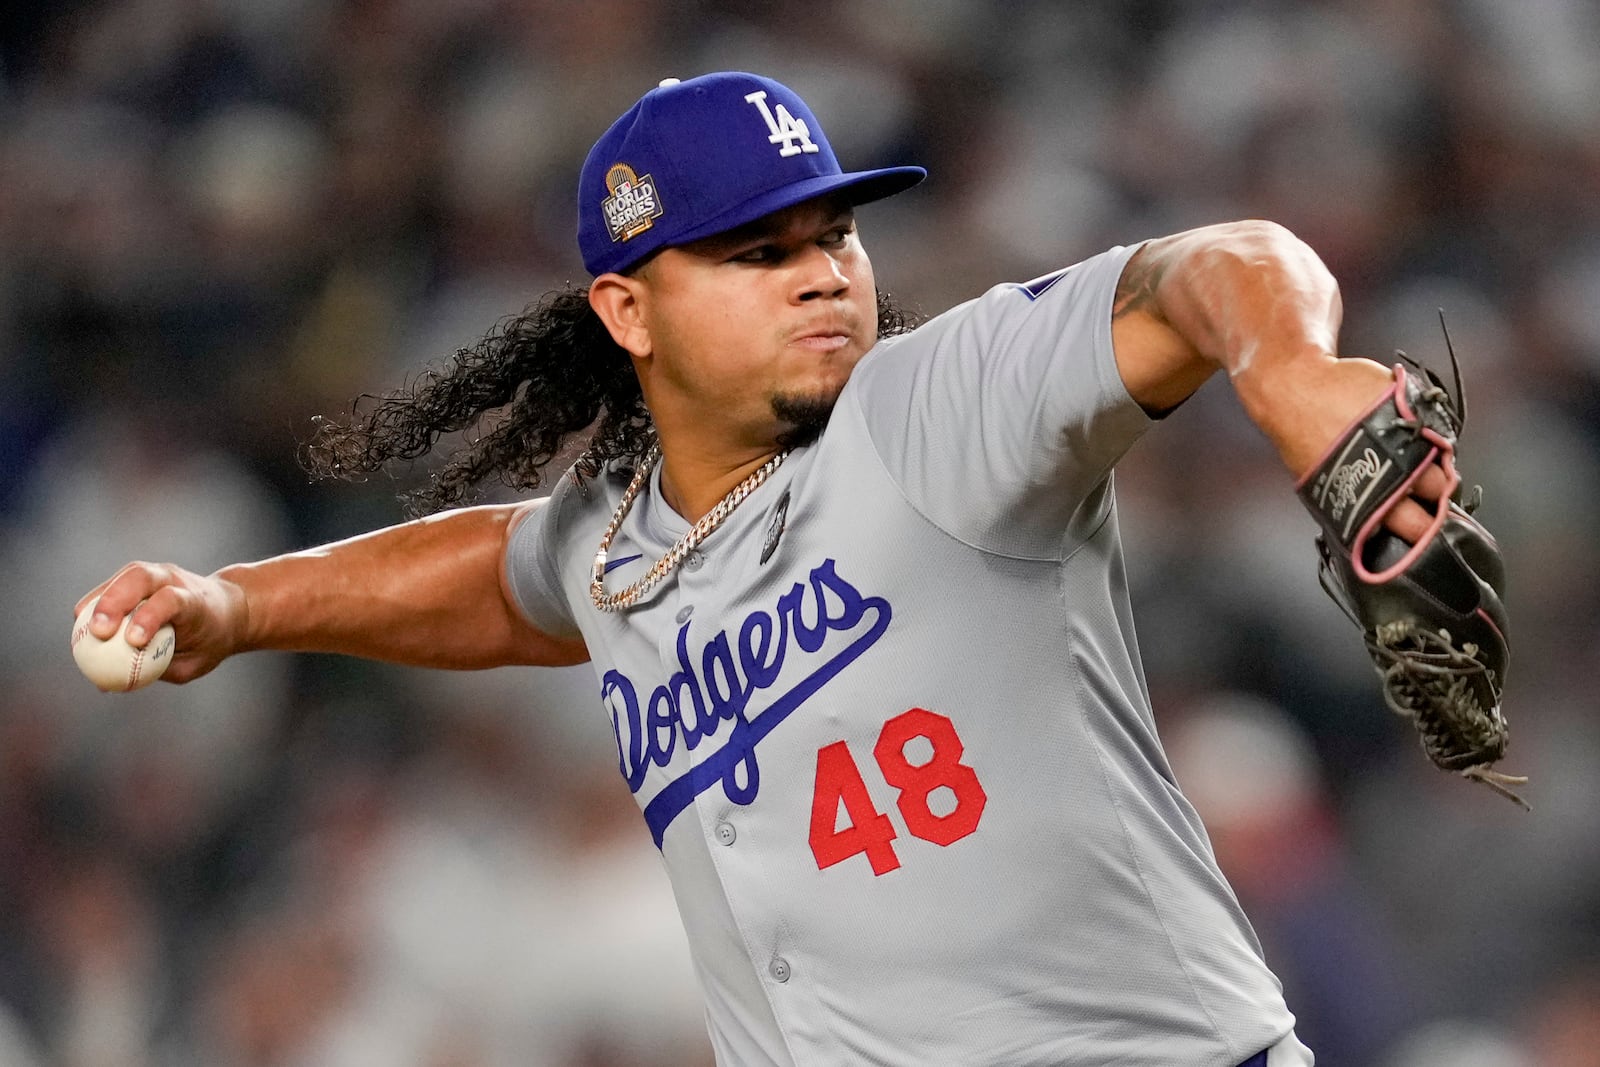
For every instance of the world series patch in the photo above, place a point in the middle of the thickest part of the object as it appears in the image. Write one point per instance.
(632, 205)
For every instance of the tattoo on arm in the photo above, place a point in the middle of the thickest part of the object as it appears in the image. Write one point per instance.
(1136, 289)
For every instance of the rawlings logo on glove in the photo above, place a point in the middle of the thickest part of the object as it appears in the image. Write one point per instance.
(1347, 484)
(1432, 614)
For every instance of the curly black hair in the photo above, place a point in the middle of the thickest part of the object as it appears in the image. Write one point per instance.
(520, 394)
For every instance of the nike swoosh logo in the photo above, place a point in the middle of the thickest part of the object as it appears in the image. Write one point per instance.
(613, 563)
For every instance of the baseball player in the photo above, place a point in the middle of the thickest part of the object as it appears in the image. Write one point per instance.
(855, 603)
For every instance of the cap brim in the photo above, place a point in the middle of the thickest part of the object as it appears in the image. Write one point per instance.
(863, 187)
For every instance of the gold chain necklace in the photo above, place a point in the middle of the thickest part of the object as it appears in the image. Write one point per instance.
(686, 544)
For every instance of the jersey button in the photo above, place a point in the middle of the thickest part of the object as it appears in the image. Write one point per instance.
(779, 969)
(684, 613)
(726, 833)
(694, 560)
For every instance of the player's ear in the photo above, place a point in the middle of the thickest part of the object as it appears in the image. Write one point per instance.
(619, 300)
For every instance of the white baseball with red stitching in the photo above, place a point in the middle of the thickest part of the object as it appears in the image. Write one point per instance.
(114, 665)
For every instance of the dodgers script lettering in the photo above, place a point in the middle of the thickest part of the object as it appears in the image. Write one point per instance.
(716, 683)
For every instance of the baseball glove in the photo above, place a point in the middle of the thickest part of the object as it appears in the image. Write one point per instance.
(1431, 612)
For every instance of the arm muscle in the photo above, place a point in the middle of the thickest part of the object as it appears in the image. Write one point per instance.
(429, 593)
(1254, 300)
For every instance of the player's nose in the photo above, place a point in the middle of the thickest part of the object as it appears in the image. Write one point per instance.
(818, 273)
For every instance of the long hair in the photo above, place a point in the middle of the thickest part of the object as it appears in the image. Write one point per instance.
(519, 394)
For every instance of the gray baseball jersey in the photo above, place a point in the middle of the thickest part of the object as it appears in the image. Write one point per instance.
(889, 728)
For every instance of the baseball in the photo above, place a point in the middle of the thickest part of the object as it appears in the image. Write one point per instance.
(114, 665)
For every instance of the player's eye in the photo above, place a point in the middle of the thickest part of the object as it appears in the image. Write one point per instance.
(837, 236)
(758, 254)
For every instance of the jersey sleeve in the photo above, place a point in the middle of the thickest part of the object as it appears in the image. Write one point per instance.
(532, 566)
(1001, 419)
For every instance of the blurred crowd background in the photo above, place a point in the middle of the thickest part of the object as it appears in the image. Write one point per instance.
(221, 217)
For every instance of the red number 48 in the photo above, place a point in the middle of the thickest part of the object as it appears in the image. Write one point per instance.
(869, 831)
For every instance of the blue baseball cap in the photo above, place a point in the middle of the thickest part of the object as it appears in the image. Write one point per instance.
(700, 157)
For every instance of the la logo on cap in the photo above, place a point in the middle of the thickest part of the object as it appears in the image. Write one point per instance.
(632, 205)
(704, 156)
(784, 127)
